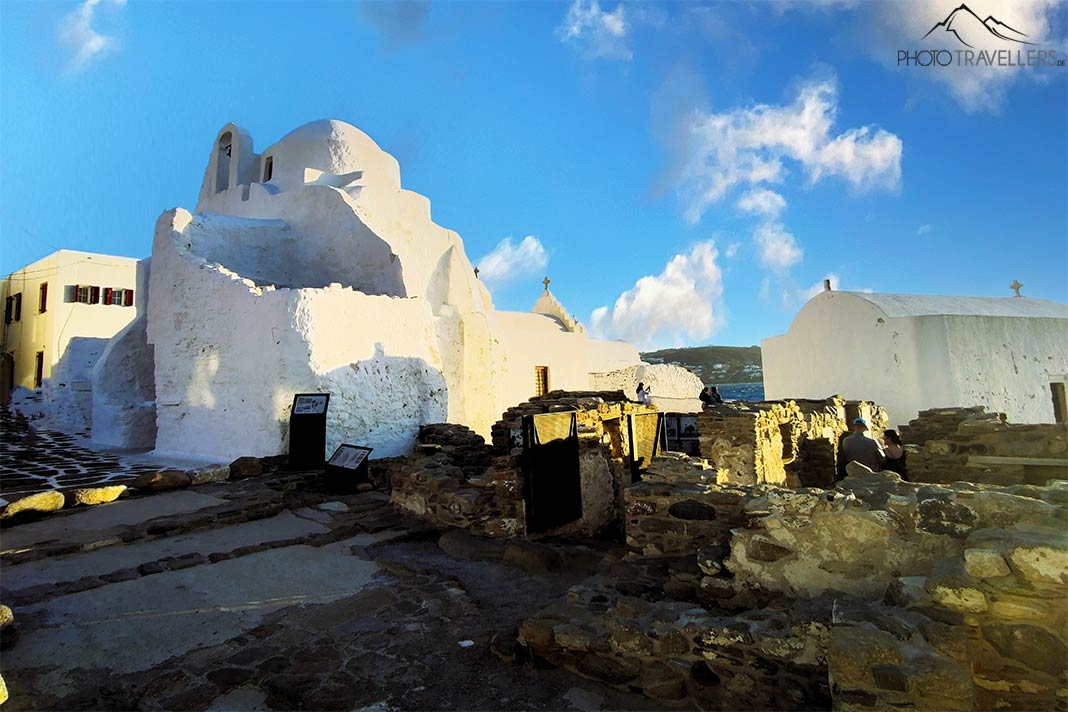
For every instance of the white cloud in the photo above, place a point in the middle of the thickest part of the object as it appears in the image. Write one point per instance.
(748, 147)
(923, 229)
(77, 32)
(778, 249)
(683, 304)
(761, 201)
(732, 250)
(596, 33)
(509, 261)
(887, 26)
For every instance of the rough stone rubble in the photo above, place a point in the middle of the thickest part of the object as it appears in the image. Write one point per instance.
(749, 578)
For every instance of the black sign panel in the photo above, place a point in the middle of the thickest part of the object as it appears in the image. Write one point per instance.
(307, 431)
(347, 467)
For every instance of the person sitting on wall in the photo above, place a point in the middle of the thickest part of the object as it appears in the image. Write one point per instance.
(858, 447)
(706, 396)
(716, 397)
(894, 451)
(643, 394)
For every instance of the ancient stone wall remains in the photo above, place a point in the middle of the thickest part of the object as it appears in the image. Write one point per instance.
(674, 651)
(874, 594)
(454, 478)
(792, 443)
(957, 444)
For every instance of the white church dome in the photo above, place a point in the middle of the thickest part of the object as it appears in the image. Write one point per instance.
(333, 147)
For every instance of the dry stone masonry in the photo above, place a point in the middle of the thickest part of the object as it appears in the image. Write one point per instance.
(971, 445)
(874, 594)
(781, 442)
(455, 479)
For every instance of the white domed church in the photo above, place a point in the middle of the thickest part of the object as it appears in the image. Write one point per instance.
(308, 268)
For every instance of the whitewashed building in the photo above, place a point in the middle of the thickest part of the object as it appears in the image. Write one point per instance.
(306, 267)
(59, 314)
(911, 352)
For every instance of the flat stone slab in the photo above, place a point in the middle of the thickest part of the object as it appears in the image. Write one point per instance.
(134, 625)
(114, 558)
(86, 524)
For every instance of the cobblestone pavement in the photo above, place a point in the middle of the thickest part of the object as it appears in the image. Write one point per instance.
(426, 630)
(35, 460)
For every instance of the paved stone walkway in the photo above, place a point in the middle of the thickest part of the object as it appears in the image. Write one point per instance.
(273, 594)
(35, 460)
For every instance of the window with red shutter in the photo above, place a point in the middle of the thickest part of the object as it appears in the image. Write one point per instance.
(107, 295)
(129, 297)
(94, 295)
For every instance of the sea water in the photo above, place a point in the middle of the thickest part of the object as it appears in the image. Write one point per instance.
(741, 391)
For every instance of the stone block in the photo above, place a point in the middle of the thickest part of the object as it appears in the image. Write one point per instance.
(161, 481)
(211, 473)
(1031, 645)
(956, 591)
(692, 509)
(8, 630)
(41, 502)
(985, 563)
(94, 495)
(533, 557)
(611, 669)
(854, 649)
(244, 467)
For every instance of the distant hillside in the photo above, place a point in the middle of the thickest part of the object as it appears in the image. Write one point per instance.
(714, 364)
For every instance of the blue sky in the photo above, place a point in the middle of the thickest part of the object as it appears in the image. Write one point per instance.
(686, 172)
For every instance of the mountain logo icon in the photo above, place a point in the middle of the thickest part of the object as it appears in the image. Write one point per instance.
(966, 26)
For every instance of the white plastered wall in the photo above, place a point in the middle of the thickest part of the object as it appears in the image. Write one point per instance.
(124, 388)
(531, 340)
(672, 388)
(1008, 364)
(230, 355)
(842, 344)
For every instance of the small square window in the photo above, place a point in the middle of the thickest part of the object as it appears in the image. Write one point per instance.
(83, 294)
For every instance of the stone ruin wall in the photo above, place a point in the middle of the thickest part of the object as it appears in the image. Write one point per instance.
(874, 594)
(455, 479)
(942, 441)
(792, 443)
